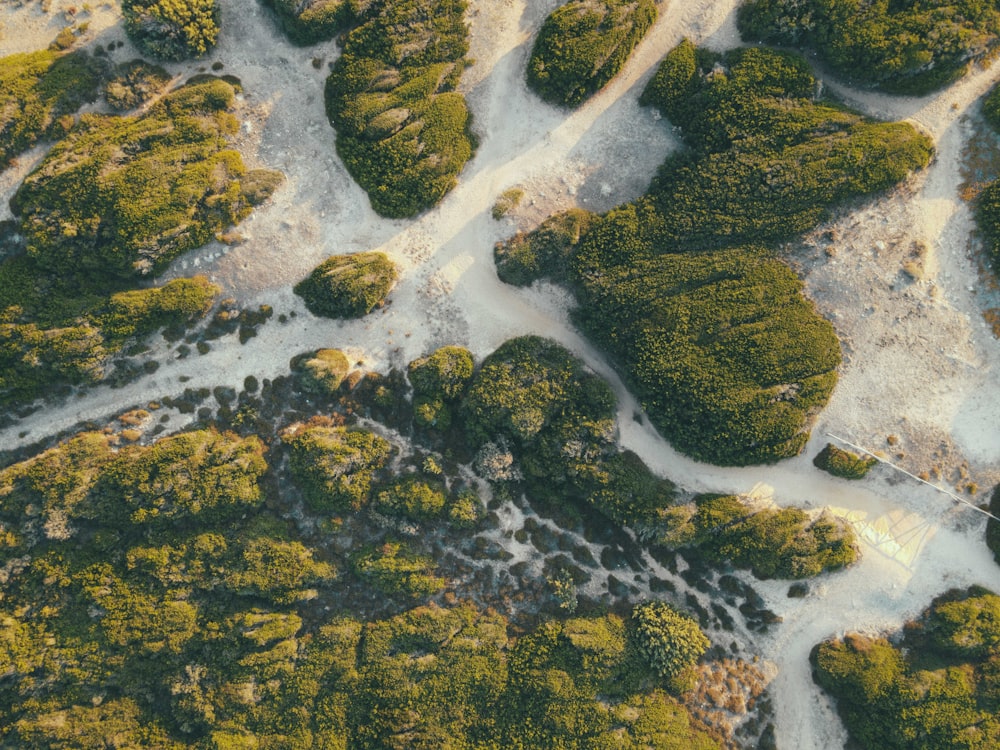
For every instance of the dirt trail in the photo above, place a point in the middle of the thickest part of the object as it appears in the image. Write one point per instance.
(920, 363)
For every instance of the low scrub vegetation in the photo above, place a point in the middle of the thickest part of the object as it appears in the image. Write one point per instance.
(904, 48)
(172, 29)
(311, 21)
(987, 202)
(843, 463)
(348, 286)
(125, 195)
(583, 44)
(38, 93)
(993, 526)
(730, 361)
(134, 83)
(937, 686)
(402, 129)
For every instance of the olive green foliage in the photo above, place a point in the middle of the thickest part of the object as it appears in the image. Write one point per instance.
(311, 21)
(413, 498)
(335, 466)
(509, 200)
(402, 129)
(555, 421)
(50, 334)
(118, 630)
(583, 44)
(348, 286)
(172, 29)
(323, 371)
(843, 463)
(912, 47)
(135, 83)
(126, 195)
(544, 253)
(37, 91)
(771, 542)
(155, 603)
(992, 526)
(670, 641)
(938, 688)
(395, 570)
(438, 381)
(729, 360)
(766, 160)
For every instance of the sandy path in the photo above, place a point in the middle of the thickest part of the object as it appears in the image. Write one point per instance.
(920, 364)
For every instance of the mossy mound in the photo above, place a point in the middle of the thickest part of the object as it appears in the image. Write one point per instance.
(311, 21)
(172, 29)
(323, 371)
(348, 286)
(134, 83)
(910, 47)
(938, 687)
(843, 463)
(38, 90)
(402, 129)
(126, 195)
(583, 44)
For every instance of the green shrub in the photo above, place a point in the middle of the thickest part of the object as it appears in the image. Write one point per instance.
(37, 90)
(843, 463)
(912, 47)
(445, 372)
(509, 200)
(402, 130)
(583, 44)
(412, 498)
(333, 466)
(125, 195)
(312, 21)
(394, 570)
(937, 688)
(172, 29)
(543, 253)
(135, 83)
(348, 286)
(323, 371)
(670, 641)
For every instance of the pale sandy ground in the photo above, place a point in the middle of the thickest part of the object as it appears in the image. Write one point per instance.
(920, 363)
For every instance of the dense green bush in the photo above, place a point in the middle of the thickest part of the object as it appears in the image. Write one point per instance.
(730, 361)
(544, 253)
(412, 498)
(909, 47)
(402, 129)
(172, 29)
(311, 21)
(670, 641)
(323, 371)
(125, 195)
(987, 203)
(134, 83)
(937, 688)
(438, 381)
(37, 91)
(583, 44)
(843, 463)
(333, 466)
(53, 334)
(395, 570)
(348, 286)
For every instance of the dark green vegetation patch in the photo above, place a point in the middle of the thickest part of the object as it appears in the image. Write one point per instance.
(730, 361)
(155, 597)
(134, 83)
(439, 380)
(993, 526)
(172, 29)
(987, 205)
(126, 195)
(311, 21)
(911, 47)
(843, 463)
(38, 92)
(402, 129)
(938, 687)
(348, 286)
(583, 44)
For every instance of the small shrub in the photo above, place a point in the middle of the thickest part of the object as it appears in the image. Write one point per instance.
(324, 371)
(670, 642)
(843, 463)
(509, 200)
(135, 83)
(172, 29)
(348, 286)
